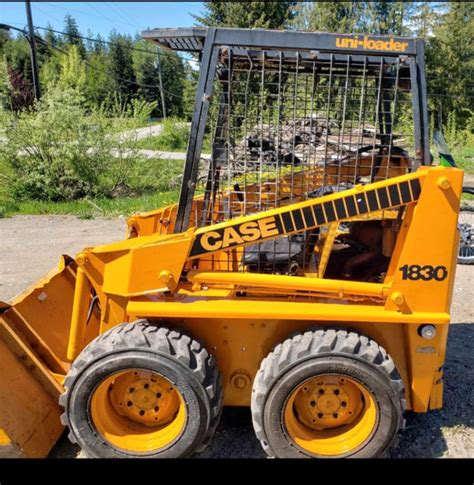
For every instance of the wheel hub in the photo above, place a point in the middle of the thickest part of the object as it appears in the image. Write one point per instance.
(144, 397)
(330, 414)
(327, 402)
(138, 410)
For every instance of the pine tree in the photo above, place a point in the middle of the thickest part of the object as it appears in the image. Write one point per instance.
(266, 15)
(383, 17)
(450, 62)
(121, 66)
(50, 37)
(71, 33)
(386, 17)
(342, 17)
(172, 72)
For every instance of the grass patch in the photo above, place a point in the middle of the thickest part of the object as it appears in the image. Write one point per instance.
(90, 208)
(464, 157)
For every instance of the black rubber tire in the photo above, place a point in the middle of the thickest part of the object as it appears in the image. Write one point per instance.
(466, 253)
(318, 352)
(176, 356)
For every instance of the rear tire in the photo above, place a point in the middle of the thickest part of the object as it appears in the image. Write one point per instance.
(142, 391)
(327, 394)
(466, 229)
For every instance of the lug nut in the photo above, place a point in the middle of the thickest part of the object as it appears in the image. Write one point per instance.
(320, 415)
(129, 404)
(321, 392)
(336, 392)
(312, 404)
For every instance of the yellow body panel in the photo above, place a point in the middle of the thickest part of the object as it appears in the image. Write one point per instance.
(173, 279)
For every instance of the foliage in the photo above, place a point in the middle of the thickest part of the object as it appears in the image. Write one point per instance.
(450, 63)
(173, 137)
(20, 90)
(264, 15)
(60, 149)
(172, 73)
(72, 71)
(121, 66)
(60, 152)
(72, 34)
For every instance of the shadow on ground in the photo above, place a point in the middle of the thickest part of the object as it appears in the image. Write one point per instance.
(425, 434)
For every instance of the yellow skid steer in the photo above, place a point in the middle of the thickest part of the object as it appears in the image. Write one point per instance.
(306, 271)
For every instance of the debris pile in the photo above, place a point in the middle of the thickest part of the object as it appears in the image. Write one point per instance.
(306, 141)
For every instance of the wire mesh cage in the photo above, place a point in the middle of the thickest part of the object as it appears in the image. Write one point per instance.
(286, 127)
(289, 124)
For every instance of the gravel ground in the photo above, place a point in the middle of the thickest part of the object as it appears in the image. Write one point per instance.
(31, 246)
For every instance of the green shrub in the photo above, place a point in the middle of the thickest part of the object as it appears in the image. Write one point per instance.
(62, 152)
(155, 174)
(174, 136)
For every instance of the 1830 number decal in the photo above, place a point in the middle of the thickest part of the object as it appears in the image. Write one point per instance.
(416, 272)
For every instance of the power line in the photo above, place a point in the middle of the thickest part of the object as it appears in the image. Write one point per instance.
(160, 52)
(86, 13)
(123, 15)
(107, 42)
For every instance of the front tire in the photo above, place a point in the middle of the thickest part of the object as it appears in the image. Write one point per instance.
(142, 391)
(327, 394)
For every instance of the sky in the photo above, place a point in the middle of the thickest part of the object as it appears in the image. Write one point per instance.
(102, 17)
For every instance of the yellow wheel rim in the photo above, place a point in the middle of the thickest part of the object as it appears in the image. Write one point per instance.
(138, 411)
(330, 415)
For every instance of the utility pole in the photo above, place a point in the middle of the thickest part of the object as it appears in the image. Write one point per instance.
(32, 42)
(158, 65)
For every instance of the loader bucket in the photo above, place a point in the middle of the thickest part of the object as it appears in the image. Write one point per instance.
(34, 331)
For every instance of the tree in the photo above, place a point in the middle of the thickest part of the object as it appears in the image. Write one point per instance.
(21, 91)
(265, 15)
(383, 17)
(71, 33)
(16, 53)
(450, 61)
(4, 37)
(172, 72)
(50, 37)
(99, 84)
(343, 17)
(389, 17)
(121, 66)
(72, 70)
(423, 19)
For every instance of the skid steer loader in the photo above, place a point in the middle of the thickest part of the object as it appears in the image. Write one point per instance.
(306, 271)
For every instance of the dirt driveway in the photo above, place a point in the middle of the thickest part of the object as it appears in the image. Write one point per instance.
(31, 245)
